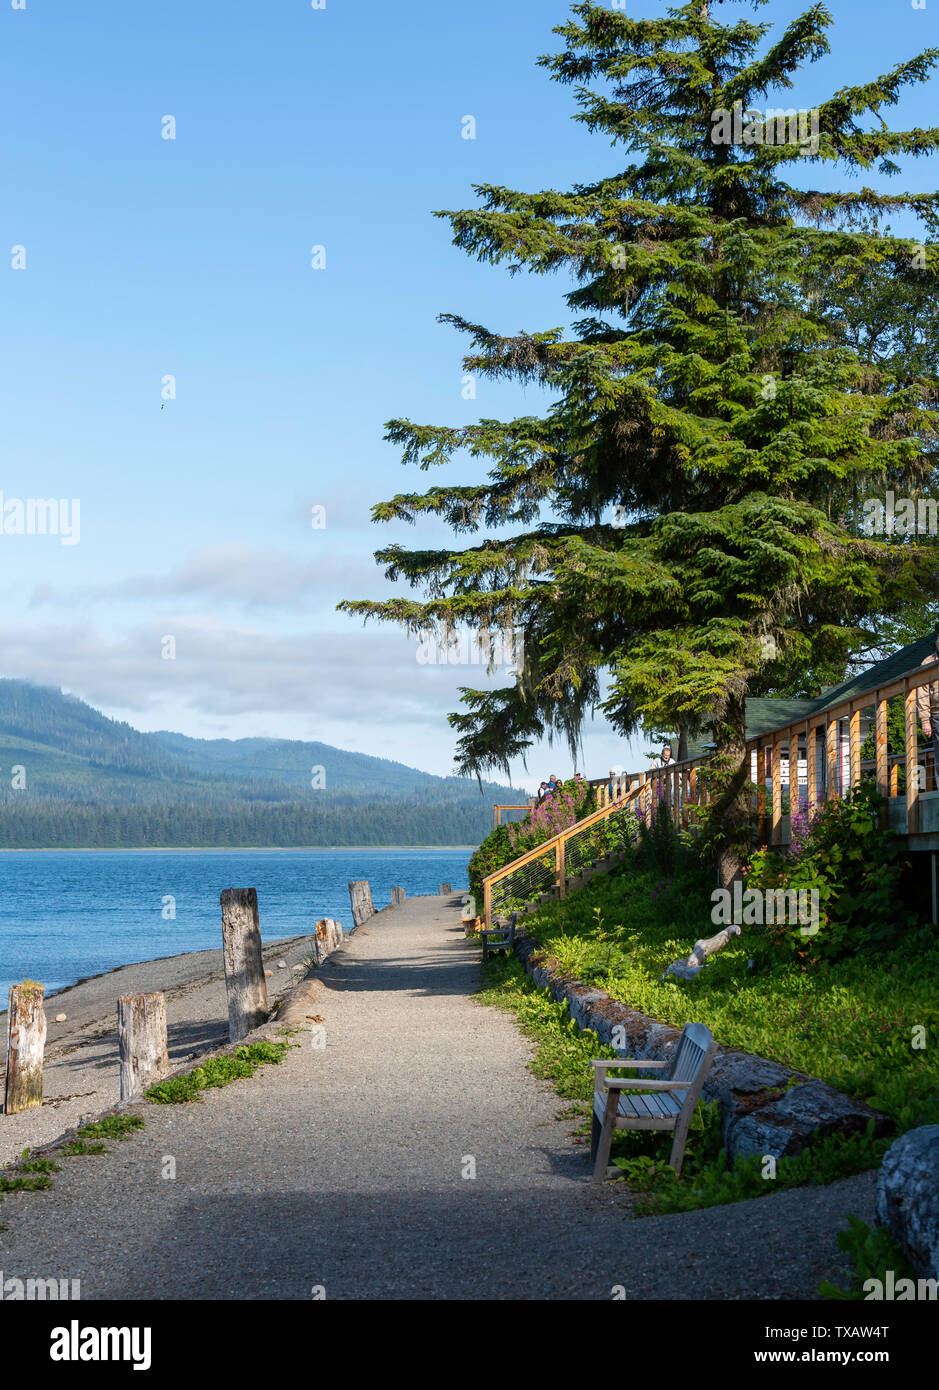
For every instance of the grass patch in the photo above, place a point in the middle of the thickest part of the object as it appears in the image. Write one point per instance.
(77, 1147)
(218, 1071)
(563, 1053)
(111, 1127)
(852, 1023)
(24, 1182)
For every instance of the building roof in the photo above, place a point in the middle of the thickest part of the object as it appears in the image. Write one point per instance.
(768, 712)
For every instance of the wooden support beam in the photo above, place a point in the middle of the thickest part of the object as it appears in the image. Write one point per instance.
(141, 1039)
(776, 838)
(561, 865)
(811, 768)
(854, 747)
(244, 968)
(26, 1045)
(880, 746)
(911, 728)
(833, 771)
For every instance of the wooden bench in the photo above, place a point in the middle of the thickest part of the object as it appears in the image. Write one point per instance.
(498, 939)
(666, 1104)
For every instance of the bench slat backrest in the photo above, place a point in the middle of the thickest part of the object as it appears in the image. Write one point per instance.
(694, 1049)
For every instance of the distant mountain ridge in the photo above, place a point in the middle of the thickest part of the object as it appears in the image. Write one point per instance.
(95, 781)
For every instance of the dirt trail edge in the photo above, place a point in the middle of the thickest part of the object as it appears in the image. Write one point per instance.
(340, 1173)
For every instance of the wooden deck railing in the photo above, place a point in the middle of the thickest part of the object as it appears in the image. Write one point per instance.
(828, 743)
(552, 864)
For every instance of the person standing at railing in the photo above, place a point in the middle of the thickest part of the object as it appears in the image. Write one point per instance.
(927, 708)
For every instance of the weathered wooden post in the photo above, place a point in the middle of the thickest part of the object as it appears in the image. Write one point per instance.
(360, 896)
(26, 1043)
(327, 938)
(244, 968)
(398, 896)
(444, 888)
(141, 1038)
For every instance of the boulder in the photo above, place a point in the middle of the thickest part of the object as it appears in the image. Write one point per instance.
(908, 1197)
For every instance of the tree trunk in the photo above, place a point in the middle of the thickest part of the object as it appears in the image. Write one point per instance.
(729, 775)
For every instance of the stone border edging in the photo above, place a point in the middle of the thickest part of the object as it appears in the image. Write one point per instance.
(759, 1115)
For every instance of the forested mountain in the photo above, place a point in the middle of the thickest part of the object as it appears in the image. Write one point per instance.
(69, 776)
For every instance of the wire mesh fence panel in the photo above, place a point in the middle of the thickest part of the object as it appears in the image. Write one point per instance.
(524, 884)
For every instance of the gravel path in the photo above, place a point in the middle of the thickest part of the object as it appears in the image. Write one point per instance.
(343, 1169)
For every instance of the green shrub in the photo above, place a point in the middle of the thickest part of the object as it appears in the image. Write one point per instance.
(858, 870)
(873, 1253)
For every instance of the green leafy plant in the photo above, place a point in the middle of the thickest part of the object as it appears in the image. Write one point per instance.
(218, 1071)
(873, 1252)
(858, 870)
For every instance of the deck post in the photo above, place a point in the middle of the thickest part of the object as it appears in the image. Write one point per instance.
(882, 755)
(811, 767)
(912, 759)
(854, 747)
(832, 779)
(776, 835)
(561, 859)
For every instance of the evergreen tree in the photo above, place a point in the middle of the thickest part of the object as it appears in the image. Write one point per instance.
(686, 508)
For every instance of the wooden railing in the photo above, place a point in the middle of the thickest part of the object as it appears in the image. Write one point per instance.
(832, 760)
(831, 740)
(498, 809)
(552, 864)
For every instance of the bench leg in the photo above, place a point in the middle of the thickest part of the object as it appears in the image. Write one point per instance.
(485, 951)
(676, 1157)
(605, 1139)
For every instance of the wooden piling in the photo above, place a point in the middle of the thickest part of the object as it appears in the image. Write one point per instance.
(398, 896)
(244, 968)
(360, 896)
(26, 1044)
(444, 888)
(141, 1037)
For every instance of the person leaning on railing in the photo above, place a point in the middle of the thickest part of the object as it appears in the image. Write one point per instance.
(927, 708)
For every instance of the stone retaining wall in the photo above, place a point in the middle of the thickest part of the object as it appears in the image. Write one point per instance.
(762, 1113)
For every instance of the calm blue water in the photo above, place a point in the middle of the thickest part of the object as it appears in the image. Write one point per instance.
(65, 914)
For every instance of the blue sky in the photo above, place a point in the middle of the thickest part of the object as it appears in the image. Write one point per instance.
(146, 257)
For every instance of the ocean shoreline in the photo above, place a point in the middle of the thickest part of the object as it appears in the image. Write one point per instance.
(219, 849)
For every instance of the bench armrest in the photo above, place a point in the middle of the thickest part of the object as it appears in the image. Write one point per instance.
(630, 1062)
(635, 1083)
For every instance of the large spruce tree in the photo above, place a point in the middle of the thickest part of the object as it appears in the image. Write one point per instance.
(679, 529)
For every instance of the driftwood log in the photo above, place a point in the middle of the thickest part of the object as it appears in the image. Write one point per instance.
(692, 965)
(141, 1038)
(244, 968)
(26, 1044)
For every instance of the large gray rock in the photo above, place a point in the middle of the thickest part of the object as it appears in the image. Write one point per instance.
(908, 1197)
